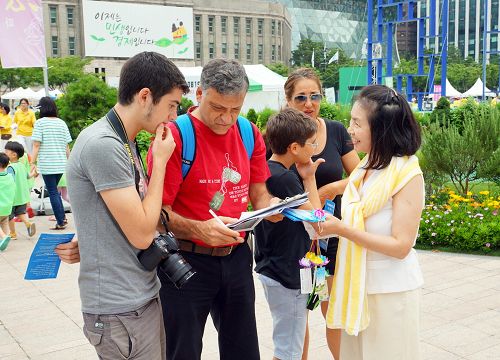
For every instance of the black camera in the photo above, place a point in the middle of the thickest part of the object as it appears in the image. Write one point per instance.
(163, 251)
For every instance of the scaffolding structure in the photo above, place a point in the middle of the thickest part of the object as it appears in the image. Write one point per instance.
(380, 37)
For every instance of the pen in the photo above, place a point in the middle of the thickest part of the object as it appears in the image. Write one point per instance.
(214, 215)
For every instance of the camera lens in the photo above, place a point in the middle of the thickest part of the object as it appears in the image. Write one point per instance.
(177, 270)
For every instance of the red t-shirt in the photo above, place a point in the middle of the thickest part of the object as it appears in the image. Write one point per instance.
(220, 170)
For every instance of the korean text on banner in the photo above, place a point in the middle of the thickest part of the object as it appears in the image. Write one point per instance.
(22, 41)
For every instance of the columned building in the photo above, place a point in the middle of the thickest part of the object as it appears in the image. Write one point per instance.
(250, 31)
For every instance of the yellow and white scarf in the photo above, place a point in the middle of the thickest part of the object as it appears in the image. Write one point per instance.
(348, 305)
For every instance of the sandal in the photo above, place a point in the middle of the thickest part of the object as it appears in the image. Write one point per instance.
(58, 227)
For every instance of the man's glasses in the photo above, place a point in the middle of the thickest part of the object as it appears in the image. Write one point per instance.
(314, 145)
(315, 98)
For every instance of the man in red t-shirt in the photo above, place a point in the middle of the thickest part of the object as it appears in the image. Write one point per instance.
(223, 179)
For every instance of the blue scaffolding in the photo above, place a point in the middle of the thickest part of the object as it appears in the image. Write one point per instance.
(385, 26)
(487, 32)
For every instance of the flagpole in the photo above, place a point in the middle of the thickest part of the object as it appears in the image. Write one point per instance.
(46, 80)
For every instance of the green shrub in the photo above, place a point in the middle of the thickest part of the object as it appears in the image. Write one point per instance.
(263, 117)
(328, 110)
(441, 113)
(252, 116)
(184, 106)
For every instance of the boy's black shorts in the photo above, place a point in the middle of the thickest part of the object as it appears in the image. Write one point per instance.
(17, 210)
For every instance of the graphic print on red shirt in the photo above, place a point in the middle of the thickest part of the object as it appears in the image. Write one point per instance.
(219, 177)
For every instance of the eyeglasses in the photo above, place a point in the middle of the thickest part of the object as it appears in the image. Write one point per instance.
(313, 145)
(315, 98)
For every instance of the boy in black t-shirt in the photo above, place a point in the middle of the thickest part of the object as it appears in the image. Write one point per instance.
(279, 246)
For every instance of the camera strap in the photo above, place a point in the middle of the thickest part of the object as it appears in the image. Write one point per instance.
(117, 125)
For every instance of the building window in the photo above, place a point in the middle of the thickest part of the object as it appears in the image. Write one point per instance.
(211, 21)
(279, 27)
(70, 12)
(55, 46)
(273, 53)
(198, 50)
(236, 26)
(236, 51)
(197, 23)
(261, 52)
(223, 24)
(71, 45)
(249, 26)
(53, 14)
(224, 49)
(279, 52)
(211, 49)
(273, 27)
(260, 26)
(249, 52)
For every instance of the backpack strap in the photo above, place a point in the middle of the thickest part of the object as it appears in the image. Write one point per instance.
(186, 130)
(246, 133)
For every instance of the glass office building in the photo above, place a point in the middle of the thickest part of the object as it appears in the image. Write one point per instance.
(337, 23)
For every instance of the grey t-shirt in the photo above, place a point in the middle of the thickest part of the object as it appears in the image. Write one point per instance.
(111, 280)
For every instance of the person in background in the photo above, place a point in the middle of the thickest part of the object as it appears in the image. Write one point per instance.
(8, 187)
(303, 93)
(51, 140)
(5, 125)
(25, 119)
(376, 289)
(15, 151)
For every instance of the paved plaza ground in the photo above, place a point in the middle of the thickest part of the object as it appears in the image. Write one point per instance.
(42, 319)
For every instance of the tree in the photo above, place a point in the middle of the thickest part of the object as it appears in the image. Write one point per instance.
(461, 154)
(279, 68)
(66, 70)
(303, 54)
(85, 101)
(11, 79)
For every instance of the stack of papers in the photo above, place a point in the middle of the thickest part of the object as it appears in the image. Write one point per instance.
(249, 219)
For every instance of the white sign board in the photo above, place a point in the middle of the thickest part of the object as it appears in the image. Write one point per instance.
(113, 29)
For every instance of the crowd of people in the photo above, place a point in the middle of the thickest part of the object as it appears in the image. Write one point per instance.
(36, 146)
(203, 170)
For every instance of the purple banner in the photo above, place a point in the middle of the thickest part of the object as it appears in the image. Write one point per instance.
(22, 41)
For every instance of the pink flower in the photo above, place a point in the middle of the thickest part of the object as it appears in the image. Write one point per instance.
(487, 245)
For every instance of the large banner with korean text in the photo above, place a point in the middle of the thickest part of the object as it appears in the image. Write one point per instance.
(22, 42)
(114, 29)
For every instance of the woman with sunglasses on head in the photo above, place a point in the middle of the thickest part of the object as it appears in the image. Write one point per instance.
(303, 93)
(376, 291)
(25, 119)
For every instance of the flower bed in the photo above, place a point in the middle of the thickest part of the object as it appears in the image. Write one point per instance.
(469, 223)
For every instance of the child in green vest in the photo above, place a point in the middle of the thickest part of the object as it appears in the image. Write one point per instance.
(8, 187)
(15, 151)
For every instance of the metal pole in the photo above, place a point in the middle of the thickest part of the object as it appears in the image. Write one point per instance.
(485, 31)
(369, 43)
(46, 80)
(444, 53)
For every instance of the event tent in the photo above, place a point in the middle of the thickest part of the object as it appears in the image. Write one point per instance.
(477, 90)
(266, 87)
(451, 91)
(20, 93)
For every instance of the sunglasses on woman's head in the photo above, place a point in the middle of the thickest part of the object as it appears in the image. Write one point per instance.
(316, 98)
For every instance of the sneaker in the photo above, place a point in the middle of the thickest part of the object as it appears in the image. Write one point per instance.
(4, 243)
(13, 236)
(31, 229)
(16, 219)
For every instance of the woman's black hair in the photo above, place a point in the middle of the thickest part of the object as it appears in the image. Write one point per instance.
(24, 99)
(5, 107)
(48, 107)
(394, 130)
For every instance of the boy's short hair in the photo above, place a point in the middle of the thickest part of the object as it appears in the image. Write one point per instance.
(15, 147)
(149, 70)
(287, 127)
(4, 160)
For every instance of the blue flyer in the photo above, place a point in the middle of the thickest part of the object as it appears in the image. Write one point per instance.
(44, 262)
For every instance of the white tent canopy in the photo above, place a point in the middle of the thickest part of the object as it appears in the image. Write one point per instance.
(20, 93)
(451, 91)
(477, 90)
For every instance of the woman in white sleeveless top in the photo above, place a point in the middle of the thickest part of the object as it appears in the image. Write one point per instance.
(376, 292)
